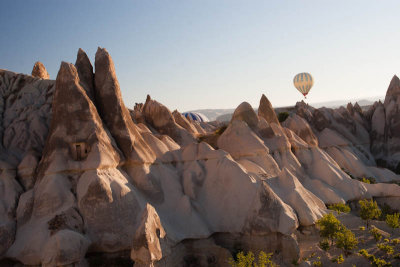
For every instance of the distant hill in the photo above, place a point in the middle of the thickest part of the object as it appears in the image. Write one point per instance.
(226, 114)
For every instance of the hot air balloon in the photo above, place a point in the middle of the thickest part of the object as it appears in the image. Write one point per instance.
(303, 82)
(195, 116)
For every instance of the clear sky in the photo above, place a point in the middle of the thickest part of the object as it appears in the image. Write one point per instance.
(213, 54)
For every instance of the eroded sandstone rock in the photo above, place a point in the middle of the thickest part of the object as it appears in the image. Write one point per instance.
(39, 71)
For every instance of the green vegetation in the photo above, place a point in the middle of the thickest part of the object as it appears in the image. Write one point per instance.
(374, 261)
(375, 233)
(380, 262)
(369, 210)
(386, 210)
(339, 259)
(339, 207)
(248, 260)
(324, 244)
(346, 240)
(282, 116)
(386, 248)
(329, 226)
(367, 180)
(393, 220)
(395, 241)
(317, 264)
(362, 228)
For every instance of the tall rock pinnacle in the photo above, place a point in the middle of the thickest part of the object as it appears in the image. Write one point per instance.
(114, 113)
(85, 72)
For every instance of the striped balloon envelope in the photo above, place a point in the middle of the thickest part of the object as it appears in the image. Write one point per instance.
(195, 116)
(303, 82)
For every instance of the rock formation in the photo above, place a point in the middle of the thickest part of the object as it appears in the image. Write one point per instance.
(83, 174)
(39, 71)
(266, 111)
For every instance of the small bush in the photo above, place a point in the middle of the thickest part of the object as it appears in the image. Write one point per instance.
(339, 207)
(386, 210)
(363, 253)
(395, 241)
(329, 226)
(380, 262)
(375, 233)
(324, 244)
(339, 259)
(317, 264)
(369, 180)
(362, 228)
(386, 248)
(282, 116)
(369, 210)
(347, 241)
(393, 220)
(248, 260)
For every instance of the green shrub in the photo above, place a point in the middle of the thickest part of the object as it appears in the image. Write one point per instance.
(393, 220)
(386, 210)
(363, 253)
(375, 233)
(347, 241)
(248, 260)
(317, 264)
(369, 210)
(324, 244)
(282, 116)
(339, 259)
(395, 241)
(329, 226)
(362, 228)
(380, 262)
(339, 207)
(386, 248)
(369, 180)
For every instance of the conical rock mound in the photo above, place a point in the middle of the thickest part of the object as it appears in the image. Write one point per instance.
(39, 71)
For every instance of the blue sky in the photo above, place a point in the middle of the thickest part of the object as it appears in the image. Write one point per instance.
(213, 54)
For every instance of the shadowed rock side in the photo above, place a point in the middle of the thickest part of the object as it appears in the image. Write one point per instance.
(114, 113)
(39, 71)
(106, 179)
(266, 111)
(85, 72)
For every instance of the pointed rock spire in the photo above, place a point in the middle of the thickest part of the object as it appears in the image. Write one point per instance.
(85, 72)
(114, 113)
(39, 71)
(76, 139)
(393, 91)
(266, 110)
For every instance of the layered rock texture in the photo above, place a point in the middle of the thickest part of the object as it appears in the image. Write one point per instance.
(81, 174)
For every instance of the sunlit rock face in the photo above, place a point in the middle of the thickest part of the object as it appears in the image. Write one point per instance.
(39, 71)
(82, 173)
